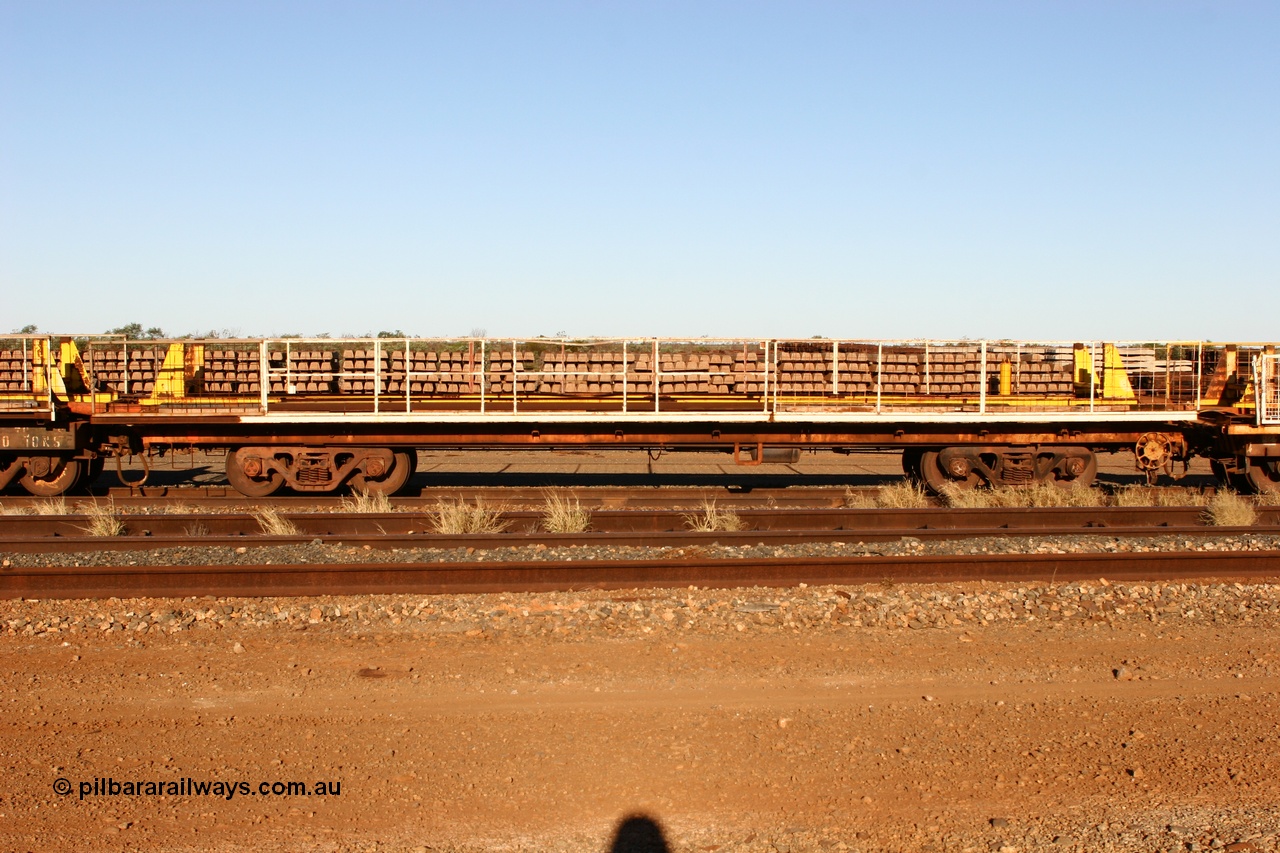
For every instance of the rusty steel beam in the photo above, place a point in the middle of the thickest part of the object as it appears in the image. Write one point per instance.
(627, 435)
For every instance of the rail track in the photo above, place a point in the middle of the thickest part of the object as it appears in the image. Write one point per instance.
(679, 557)
(776, 510)
(664, 539)
(537, 576)
(630, 527)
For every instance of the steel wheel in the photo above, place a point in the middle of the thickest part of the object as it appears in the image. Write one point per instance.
(911, 463)
(92, 470)
(9, 469)
(403, 464)
(1235, 482)
(1263, 475)
(60, 479)
(1080, 481)
(256, 485)
(935, 478)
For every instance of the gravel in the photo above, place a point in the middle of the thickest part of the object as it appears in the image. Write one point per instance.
(578, 615)
(238, 630)
(827, 608)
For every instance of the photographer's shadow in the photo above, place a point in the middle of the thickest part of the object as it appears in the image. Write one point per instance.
(639, 834)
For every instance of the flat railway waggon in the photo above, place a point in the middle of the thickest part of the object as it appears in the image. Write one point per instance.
(318, 415)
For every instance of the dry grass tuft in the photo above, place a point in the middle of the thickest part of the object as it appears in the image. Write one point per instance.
(14, 510)
(1051, 495)
(1228, 509)
(195, 530)
(906, 494)
(455, 518)
(367, 502)
(103, 520)
(1157, 496)
(178, 508)
(272, 524)
(1034, 496)
(712, 519)
(50, 506)
(858, 500)
(562, 514)
(958, 498)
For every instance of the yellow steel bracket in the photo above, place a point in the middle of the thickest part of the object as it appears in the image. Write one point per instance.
(1114, 385)
(171, 378)
(72, 367)
(1231, 384)
(1084, 369)
(1247, 378)
(1115, 379)
(39, 365)
(44, 378)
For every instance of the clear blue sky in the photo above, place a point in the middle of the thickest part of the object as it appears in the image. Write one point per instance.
(863, 169)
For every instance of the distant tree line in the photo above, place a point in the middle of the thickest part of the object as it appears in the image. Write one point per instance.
(137, 332)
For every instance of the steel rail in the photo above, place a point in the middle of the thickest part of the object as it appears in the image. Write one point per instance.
(540, 576)
(620, 539)
(17, 528)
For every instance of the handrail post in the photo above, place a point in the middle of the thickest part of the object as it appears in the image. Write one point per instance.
(377, 374)
(879, 373)
(264, 375)
(657, 377)
(484, 347)
(982, 378)
(624, 377)
(1093, 372)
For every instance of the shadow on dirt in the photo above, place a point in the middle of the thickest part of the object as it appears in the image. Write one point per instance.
(639, 834)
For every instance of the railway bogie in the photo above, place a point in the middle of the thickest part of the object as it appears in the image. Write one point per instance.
(262, 470)
(318, 415)
(967, 467)
(46, 459)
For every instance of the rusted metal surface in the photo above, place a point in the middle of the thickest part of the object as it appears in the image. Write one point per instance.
(200, 430)
(47, 437)
(516, 496)
(259, 471)
(159, 497)
(439, 578)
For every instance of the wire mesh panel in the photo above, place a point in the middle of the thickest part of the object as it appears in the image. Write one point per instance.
(16, 364)
(29, 368)
(1269, 389)
(638, 377)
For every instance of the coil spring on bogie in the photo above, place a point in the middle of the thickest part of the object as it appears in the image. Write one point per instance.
(314, 476)
(1017, 467)
(313, 469)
